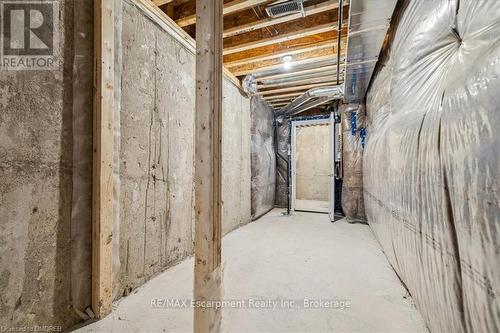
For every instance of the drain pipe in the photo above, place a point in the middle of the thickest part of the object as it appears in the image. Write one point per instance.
(339, 37)
(303, 103)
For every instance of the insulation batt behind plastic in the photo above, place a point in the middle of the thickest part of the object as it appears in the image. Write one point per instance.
(282, 159)
(263, 157)
(352, 154)
(432, 161)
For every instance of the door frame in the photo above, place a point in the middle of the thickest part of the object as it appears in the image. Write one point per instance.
(330, 121)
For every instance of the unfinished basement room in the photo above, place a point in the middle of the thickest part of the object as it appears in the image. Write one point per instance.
(253, 166)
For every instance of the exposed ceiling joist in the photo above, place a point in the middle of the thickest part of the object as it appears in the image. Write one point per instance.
(298, 71)
(289, 80)
(282, 96)
(281, 38)
(326, 78)
(229, 8)
(161, 2)
(267, 22)
(279, 54)
(280, 66)
(294, 88)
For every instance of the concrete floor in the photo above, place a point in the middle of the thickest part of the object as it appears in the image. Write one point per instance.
(284, 258)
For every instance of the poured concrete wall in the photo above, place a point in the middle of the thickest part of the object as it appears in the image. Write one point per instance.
(157, 151)
(45, 168)
(312, 162)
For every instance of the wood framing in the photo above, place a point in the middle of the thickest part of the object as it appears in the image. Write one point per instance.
(229, 8)
(318, 79)
(161, 2)
(267, 22)
(279, 66)
(294, 88)
(283, 96)
(102, 173)
(281, 38)
(208, 163)
(177, 33)
(279, 54)
(298, 71)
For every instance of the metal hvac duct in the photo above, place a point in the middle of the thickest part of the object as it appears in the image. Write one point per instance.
(306, 100)
(368, 24)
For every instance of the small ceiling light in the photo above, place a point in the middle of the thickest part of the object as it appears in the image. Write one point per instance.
(287, 61)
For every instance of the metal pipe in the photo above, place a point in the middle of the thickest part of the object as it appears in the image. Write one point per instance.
(332, 92)
(339, 37)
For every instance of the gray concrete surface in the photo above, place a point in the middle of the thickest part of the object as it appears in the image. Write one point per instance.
(156, 158)
(288, 258)
(45, 122)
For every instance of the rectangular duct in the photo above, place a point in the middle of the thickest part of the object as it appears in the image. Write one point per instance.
(368, 25)
(285, 8)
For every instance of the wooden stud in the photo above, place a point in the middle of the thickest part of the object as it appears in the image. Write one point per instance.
(208, 163)
(229, 8)
(102, 173)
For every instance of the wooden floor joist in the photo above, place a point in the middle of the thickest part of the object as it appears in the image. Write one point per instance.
(208, 164)
(294, 88)
(229, 8)
(294, 72)
(319, 79)
(267, 22)
(279, 54)
(281, 38)
(279, 66)
(282, 96)
(102, 173)
(161, 2)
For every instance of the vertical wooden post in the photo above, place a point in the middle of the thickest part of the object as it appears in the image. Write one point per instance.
(102, 175)
(208, 162)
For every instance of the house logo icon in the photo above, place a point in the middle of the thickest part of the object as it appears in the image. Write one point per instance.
(29, 34)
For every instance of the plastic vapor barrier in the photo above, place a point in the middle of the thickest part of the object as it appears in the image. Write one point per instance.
(432, 160)
(282, 159)
(352, 155)
(263, 156)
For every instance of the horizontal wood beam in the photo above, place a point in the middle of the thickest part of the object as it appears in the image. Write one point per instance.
(295, 88)
(229, 8)
(297, 82)
(297, 71)
(279, 54)
(161, 2)
(282, 96)
(267, 22)
(281, 38)
(282, 67)
(281, 99)
(291, 79)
